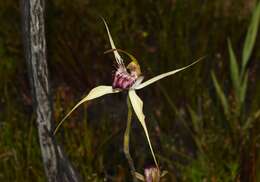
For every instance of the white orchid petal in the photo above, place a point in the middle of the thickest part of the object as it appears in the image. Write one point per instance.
(164, 173)
(94, 93)
(118, 58)
(139, 176)
(137, 104)
(161, 76)
(138, 82)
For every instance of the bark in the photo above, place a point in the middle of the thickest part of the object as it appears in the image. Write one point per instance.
(56, 165)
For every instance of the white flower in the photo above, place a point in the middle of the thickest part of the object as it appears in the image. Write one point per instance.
(151, 174)
(135, 83)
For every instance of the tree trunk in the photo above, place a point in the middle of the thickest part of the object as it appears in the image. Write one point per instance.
(56, 165)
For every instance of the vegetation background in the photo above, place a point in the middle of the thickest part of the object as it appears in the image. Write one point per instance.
(201, 125)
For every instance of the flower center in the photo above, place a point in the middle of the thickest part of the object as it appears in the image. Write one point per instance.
(124, 80)
(125, 77)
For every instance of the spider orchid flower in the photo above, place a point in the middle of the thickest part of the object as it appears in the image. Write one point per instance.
(126, 78)
(151, 174)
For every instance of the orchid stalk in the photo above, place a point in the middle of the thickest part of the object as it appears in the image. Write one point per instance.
(126, 78)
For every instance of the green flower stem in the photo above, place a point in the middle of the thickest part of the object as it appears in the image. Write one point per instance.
(127, 138)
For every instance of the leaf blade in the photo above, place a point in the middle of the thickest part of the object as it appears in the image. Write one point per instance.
(234, 69)
(250, 37)
(220, 94)
(243, 89)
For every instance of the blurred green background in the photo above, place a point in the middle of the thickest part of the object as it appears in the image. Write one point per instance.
(203, 123)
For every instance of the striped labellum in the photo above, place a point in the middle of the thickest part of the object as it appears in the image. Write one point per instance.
(126, 77)
(122, 79)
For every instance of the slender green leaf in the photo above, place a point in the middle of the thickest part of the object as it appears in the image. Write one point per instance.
(128, 127)
(234, 70)
(220, 94)
(195, 120)
(250, 37)
(250, 121)
(243, 89)
(127, 139)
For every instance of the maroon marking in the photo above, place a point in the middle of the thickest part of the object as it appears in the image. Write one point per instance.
(122, 79)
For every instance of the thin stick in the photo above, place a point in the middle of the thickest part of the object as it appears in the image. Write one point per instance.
(127, 139)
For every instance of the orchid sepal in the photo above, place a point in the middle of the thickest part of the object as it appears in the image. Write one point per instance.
(93, 94)
(118, 58)
(137, 105)
(163, 75)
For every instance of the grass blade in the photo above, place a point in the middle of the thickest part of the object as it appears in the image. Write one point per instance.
(250, 37)
(220, 94)
(234, 70)
(243, 89)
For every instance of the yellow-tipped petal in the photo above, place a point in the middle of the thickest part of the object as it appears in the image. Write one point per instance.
(133, 66)
(94, 93)
(137, 104)
(118, 58)
(125, 52)
(161, 76)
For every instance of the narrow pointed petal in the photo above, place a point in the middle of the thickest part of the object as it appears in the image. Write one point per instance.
(138, 82)
(125, 52)
(161, 76)
(94, 93)
(118, 58)
(139, 176)
(164, 173)
(137, 104)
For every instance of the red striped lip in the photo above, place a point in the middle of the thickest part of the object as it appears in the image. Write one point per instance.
(123, 80)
